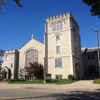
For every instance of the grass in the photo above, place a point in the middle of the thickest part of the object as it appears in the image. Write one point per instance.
(53, 81)
(61, 81)
(97, 81)
(26, 82)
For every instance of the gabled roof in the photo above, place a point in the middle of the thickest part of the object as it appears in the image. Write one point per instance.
(4, 68)
(94, 50)
(89, 50)
(29, 41)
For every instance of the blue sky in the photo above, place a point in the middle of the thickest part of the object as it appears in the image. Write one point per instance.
(18, 24)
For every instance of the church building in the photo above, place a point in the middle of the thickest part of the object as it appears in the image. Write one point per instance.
(60, 54)
(63, 46)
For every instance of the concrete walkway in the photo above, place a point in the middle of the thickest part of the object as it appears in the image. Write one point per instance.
(82, 85)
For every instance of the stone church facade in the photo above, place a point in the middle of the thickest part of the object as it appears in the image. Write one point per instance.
(60, 54)
(31, 52)
(10, 64)
(62, 46)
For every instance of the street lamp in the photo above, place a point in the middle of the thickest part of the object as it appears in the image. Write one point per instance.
(97, 39)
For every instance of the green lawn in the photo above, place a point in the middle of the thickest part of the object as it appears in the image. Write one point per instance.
(26, 82)
(63, 81)
(53, 81)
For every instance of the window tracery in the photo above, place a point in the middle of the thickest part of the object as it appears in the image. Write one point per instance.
(31, 56)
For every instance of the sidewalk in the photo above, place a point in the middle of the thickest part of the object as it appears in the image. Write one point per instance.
(81, 85)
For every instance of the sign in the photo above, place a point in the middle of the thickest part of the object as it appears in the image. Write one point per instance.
(48, 77)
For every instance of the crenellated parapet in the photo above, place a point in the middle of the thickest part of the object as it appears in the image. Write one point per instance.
(10, 51)
(61, 16)
(55, 17)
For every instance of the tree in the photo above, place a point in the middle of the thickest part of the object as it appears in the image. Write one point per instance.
(18, 3)
(4, 2)
(35, 69)
(1, 52)
(95, 7)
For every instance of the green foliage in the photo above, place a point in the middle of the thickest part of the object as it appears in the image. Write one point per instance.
(71, 77)
(1, 52)
(2, 3)
(95, 6)
(18, 3)
(61, 81)
(97, 81)
(21, 81)
(57, 77)
(53, 81)
(35, 69)
(15, 80)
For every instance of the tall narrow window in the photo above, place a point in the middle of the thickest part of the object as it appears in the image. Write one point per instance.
(88, 56)
(61, 26)
(31, 56)
(58, 62)
(57, 37)
(57, 49)
(53, 27)
(6, 57)
(93, 56)
(58, 26)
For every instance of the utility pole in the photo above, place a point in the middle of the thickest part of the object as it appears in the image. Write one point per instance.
(97, 39)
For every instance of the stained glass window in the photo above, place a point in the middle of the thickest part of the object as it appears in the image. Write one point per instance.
(31, 56)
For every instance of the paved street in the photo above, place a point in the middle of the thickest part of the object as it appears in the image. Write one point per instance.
(29, 94)
(47, 94)
(79, 85)
(80, 90)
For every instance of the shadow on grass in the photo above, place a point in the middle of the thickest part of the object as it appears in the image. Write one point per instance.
(53, 81)
(72, 95)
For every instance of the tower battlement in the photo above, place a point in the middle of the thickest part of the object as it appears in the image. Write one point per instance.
(61, 16)
(10, 51)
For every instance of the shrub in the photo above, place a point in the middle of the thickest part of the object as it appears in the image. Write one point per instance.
(71, 77)
(57, 77)
(35, 69)
(13, 80)
(97, 81)
(20, 80)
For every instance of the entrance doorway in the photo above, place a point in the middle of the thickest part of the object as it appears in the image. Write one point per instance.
(77, 71)
(4, 74)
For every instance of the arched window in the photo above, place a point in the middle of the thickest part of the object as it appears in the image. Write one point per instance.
(31, 56)
(6, 57)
